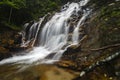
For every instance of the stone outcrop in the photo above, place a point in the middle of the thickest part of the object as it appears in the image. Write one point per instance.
(9, 43)
(102, 30)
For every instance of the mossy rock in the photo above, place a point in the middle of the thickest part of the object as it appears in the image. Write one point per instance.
(109, 24)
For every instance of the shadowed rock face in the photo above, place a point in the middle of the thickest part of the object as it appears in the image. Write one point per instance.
(9, 43)
(102, 29)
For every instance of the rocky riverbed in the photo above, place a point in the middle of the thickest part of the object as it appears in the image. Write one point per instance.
(36, 72)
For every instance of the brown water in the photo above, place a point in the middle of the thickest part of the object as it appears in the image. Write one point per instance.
(36, 72)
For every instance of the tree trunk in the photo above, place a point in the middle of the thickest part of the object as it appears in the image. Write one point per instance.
(10, 15)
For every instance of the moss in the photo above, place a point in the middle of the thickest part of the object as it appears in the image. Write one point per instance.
(109, 24)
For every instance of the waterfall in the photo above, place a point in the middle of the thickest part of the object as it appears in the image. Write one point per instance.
(52, 36)
(75, 37)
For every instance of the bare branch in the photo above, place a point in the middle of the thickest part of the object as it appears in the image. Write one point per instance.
(106, 47)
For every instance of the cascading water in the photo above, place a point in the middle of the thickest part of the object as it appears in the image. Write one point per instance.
(75, 37)
(31, 33)
(53, 37)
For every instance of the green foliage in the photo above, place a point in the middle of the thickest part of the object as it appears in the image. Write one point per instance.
(38, 8)
(17, 4)
(20, 3)
(18, 12)
(12, 26)
(8, 3)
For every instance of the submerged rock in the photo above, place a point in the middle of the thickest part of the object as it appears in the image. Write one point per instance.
(36, 72)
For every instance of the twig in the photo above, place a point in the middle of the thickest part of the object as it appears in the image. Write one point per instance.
(83, 38)
(105, 47)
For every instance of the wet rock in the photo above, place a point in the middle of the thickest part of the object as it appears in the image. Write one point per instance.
(36, 72)
(9, 43)
(4, 53)
(50, 56)
(3, 50)
(101, 30)
(73, 49)
(67, 64)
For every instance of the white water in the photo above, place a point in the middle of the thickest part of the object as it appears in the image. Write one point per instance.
(75, 37)
(52, 38)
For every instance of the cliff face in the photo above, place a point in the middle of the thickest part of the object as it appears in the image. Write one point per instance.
(102, 39)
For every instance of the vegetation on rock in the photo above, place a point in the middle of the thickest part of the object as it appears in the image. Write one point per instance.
(17, 12)
(102, 30)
